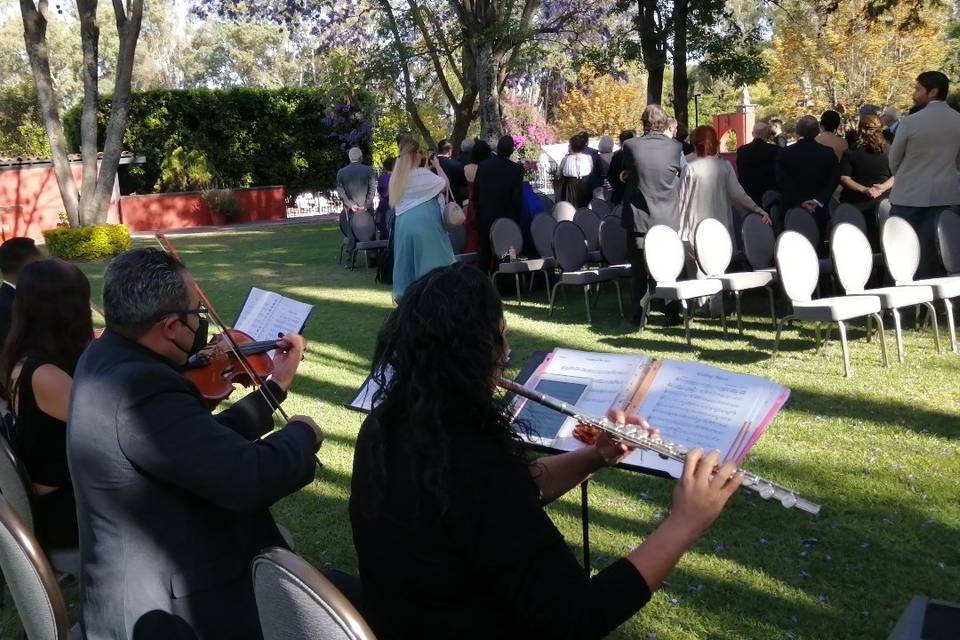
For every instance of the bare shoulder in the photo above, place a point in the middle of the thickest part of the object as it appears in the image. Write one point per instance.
(50, 378)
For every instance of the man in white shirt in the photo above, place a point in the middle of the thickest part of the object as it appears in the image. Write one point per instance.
(925, 160)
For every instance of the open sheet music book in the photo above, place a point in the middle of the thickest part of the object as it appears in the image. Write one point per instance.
(692, 404)
(265, 315)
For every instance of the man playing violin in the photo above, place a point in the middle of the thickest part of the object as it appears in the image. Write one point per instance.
(173, 502)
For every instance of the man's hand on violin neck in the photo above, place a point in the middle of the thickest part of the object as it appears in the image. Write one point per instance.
(286, 360)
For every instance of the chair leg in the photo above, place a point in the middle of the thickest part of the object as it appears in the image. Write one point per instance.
(645, 310)
(686, 321)
(586, 301)
(546, 282)
(552, 297)
(883, 340)
(619, 298)
(776, 339)
(818, 339)
(516, 280)
(869, 328)
(844, 348)
(773, 306)
(723, 315)
(936, 327)
(950, 325)
(898, 334)
(736, 297)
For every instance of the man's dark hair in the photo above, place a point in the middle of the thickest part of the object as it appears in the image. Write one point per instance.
(444, 147)
(830, 120)
(627, 134)
(15, 253)
(577, 143)
(140, 287)
(931, 80)
(505, 146)
(388, 163)
(654, 120)
(808, 127)
(776, 121)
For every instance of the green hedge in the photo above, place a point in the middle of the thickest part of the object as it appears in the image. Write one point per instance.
(295, 137)
(87, 243)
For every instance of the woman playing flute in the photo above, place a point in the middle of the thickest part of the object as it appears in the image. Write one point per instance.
(447, 509)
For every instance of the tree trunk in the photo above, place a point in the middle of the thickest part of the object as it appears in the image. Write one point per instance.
(128, 28)
(35, 39)
(655, 83)
(488, 90)
(90, 46)
(681, 82)
(653, 47)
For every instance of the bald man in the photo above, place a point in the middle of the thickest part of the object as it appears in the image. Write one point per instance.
(756, 164)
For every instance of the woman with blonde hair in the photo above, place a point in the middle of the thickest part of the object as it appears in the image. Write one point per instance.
(420, 242)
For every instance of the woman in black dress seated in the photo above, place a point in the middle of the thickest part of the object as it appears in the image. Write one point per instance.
(51, 327)
(447, 510)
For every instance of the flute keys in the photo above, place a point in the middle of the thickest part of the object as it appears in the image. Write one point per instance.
(789, 500)
(766, 491)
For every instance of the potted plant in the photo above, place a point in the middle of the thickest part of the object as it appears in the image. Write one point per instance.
(223, 204)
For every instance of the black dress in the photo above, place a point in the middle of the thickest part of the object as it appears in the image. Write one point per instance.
(488, 564)
(864, 167)
(40, 441)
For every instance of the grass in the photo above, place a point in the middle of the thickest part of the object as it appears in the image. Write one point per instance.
(879, 451)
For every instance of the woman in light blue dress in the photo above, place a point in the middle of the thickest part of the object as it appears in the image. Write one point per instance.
(420, 242)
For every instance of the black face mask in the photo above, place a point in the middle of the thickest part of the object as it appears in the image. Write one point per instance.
(200, 339)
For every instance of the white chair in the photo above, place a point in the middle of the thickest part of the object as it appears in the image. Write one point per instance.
(564, 211)
(948, 240)
(31, 581)
(714, 250)
(901, 250)
(664, 255)
(294, 600)
(853, 260)
(799, 272)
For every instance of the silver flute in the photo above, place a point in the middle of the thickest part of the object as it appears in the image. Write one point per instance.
(636, 436)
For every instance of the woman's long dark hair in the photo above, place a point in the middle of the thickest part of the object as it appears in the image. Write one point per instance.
(51, 318)
(436, 362)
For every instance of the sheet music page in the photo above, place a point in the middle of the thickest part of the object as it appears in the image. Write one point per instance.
(266, 315)
(697, 405)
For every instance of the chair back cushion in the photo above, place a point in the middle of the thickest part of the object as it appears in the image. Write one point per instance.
(846, 212)
(14, 484)
(600, 207)
(589, 223)
(801, 221)
(569, 246)
(363, 227)
(541, 230)
(713, 246)
(30, 579)
(563, 210)
(798, 266)
(852, 256)
(458, 237)
(617, 211)
(613, 241)
(294, 601)
(758, 242)
(344, 222)
(505, 233)
(901, 249)
(948, 237)
(663, 253)
(883, 211)
(768, 199)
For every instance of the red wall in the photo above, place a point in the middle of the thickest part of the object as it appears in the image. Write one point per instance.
(162, 211)
(30, 201)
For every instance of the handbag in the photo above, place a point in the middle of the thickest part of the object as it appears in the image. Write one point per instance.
(453, 215)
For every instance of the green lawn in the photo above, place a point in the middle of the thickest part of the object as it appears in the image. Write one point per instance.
(879, 452)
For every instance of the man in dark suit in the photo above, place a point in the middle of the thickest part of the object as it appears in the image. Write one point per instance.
(15, 254)
(808, 173)
(756, 164)
(498, 190)
(617, 185)
(652, 163)
(173, 502)
(453, 170)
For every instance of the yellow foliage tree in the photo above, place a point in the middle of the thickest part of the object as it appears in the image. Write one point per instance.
(600, 105)
(842, 59)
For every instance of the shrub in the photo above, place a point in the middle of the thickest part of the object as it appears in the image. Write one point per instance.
(223, 202)
(296, 137)
(88, 243)
(184, 170)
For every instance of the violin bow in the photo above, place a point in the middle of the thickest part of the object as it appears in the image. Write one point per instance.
(254, 376)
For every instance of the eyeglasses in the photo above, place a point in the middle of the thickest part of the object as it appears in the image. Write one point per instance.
(200, 311)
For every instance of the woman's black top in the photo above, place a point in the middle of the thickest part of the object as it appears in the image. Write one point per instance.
(491, 565)
(40, 441)
(864, 167)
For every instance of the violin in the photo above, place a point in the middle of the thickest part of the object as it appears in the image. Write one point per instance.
(217, 367)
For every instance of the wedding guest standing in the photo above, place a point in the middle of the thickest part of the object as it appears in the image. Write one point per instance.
(828, 137)
(615, 172)
(756, 163)
(15, 254)
(479, 152)
(498, 190)
(383, 191)
(576, 170)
